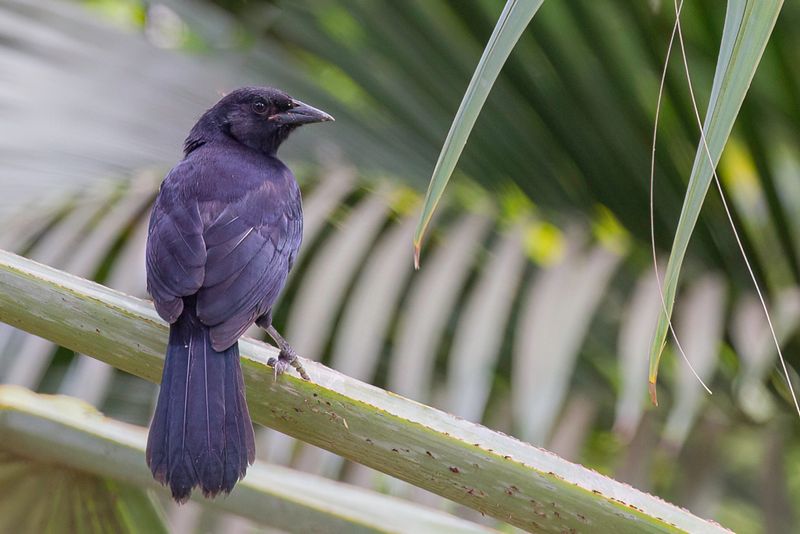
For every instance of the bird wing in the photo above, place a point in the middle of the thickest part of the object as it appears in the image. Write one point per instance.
(251, 245)
(176, 253)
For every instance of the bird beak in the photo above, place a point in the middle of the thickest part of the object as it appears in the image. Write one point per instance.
(301, 114)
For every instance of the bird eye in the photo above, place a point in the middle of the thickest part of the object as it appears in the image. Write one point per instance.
(260, 107)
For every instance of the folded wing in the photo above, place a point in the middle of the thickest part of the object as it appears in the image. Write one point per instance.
(251, 246)
(176, 252)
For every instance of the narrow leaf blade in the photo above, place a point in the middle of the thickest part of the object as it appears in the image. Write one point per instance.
(512, 22)
(748, 26)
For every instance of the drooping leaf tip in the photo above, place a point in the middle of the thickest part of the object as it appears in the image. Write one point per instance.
(651, 386)
(416, 256)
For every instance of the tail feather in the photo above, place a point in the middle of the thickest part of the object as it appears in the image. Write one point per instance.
(201, 434)
(239, 427)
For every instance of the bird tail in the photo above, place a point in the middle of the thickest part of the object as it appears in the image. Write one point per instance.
(201, 434)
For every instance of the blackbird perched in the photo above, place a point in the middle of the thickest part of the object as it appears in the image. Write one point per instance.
(224, 232)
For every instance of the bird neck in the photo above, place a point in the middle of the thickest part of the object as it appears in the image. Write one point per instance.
(207, 129)
(270, 144)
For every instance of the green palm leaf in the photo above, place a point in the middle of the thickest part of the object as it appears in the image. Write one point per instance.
(512, 22)
(748, 26)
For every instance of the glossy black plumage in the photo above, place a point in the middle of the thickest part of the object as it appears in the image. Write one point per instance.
(224, 232)
(201, 434)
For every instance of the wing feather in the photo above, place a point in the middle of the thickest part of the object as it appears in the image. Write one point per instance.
(233, 253)
(176, 252)
(251, 246)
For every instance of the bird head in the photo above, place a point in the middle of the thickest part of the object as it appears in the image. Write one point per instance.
(259, 117)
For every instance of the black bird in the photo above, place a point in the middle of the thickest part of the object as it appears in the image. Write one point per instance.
(224, 232)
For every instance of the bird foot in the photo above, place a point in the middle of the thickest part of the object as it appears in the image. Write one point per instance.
(287, 358)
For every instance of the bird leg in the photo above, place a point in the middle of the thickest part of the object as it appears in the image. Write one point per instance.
(286, 357)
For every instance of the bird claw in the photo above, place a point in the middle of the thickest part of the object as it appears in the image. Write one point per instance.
(287, 358)
(279, 366)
